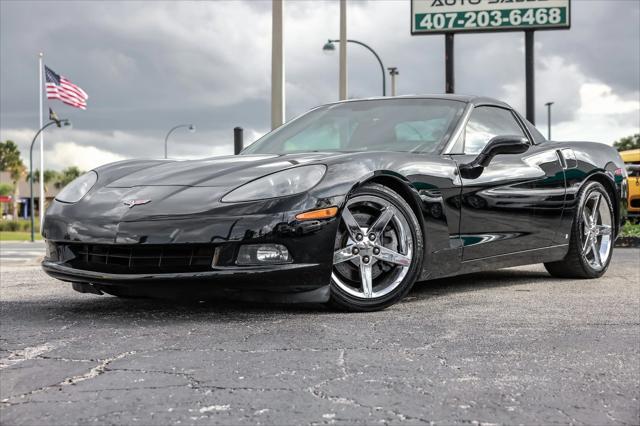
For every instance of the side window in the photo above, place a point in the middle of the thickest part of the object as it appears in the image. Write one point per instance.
(535, 133)
(486, 122)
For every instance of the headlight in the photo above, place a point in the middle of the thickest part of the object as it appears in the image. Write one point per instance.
(78, 188)
(279, 184)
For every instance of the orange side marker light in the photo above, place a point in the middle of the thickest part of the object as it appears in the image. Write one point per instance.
(326, 213)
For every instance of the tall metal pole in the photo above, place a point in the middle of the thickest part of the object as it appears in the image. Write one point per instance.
(343, 51)
(393, 71)
(41, 90)
(529, 70)
(448, 64)
(548, 104)
(277, 65)
(31, 176)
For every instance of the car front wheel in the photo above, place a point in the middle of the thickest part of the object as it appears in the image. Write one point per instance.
(378, 250)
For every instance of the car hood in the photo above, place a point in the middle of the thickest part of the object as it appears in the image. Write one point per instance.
(227, 172)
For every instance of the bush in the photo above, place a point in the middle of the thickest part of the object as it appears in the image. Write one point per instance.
(631, 230)
(6, 189)
(17, 225)
(10, 226)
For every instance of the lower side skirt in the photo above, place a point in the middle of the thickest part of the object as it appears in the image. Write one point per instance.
(509, 260)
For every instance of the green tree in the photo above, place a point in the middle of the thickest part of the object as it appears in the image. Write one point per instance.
(69, 174)
(11, 162)
(50, 176)
(6, 189)
(630, 142)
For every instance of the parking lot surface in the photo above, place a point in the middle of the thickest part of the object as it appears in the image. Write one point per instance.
(510, 346)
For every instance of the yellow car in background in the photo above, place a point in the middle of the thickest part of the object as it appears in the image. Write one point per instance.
(631, 159)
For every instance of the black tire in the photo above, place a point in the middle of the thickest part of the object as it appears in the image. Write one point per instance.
(344, 301)
(575, 264)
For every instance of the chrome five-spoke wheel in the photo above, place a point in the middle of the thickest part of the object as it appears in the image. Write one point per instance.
(592, 236)
(375, 246)
(596, 230)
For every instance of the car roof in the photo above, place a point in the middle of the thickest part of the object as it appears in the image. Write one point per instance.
(472, 99)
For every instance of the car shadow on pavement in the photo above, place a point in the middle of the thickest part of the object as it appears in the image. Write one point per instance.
(480, 280)
(109, 308)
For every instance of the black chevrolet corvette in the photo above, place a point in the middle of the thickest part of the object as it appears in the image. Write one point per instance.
(350, 204)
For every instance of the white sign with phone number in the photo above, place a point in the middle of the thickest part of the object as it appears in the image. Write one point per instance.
(442, 16)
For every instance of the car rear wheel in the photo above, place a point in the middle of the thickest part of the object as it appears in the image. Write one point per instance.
(591, 243)
(378, 250)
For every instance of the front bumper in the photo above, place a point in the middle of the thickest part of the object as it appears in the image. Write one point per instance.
(101, 251)
(278, 283)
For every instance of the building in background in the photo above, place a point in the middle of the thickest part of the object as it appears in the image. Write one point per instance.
(51, 190)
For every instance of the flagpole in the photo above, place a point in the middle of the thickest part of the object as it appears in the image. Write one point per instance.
(41, 89)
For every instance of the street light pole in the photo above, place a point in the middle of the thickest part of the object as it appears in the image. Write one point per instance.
(166, 138)
(329, 47)
(54, 120)
(548, 104)
(393, 71)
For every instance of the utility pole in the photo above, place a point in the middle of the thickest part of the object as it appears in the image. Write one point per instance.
(277, 65)
(393, 72)
(343, 50)
(548, 105)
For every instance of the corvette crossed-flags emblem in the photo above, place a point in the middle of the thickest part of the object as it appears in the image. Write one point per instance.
(132, 203)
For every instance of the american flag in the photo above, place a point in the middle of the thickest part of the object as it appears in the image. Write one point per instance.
(58, 87)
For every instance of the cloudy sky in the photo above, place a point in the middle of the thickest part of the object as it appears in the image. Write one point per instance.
(150, 65)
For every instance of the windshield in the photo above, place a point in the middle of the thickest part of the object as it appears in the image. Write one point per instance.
(402, 125)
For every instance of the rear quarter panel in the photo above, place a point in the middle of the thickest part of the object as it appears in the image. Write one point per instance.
(594, 161)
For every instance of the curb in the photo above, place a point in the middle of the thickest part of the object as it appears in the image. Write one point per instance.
(628, 242)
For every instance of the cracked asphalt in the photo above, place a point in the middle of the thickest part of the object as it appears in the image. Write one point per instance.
(505, 347)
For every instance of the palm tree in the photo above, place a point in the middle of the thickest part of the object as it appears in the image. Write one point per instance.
(68, 174)
(50, 176)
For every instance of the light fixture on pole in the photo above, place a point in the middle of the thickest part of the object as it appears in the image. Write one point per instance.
(393, 72)
(191, 128)
(53, 117)
(548, 104)
(330, 47)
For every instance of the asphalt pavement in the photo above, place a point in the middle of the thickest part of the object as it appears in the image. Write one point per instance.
(12, 252)
(507, 347)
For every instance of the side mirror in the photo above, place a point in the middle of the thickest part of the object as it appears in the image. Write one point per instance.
(508, 144)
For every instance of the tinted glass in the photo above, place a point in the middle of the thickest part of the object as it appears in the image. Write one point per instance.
(403, 125)
(485, 123)
(535, 133)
